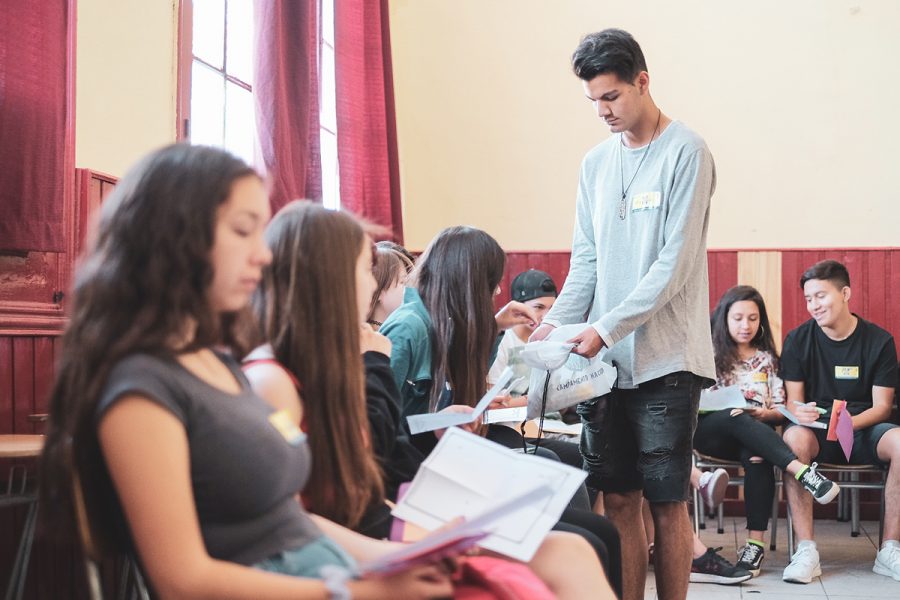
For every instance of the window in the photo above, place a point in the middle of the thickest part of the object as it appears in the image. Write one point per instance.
(221, 92)
(216, 104)
(331, 188)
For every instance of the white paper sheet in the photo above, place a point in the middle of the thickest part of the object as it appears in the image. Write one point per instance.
(505, 415)
(722, 398)
(554, 426)
(466, 475)
(478, 525)
(432, 421)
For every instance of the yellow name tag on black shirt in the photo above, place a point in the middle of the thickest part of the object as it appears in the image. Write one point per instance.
(282, 422)
(846, 372)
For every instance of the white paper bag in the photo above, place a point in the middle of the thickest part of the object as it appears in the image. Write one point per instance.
(577, 380)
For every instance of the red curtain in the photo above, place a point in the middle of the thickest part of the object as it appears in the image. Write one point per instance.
(366, 127)
(286, 89)
(32, 125)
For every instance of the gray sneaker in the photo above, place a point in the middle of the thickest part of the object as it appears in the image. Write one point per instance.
(822, 489)
(804, 564)
(711, 567)
(750, 558)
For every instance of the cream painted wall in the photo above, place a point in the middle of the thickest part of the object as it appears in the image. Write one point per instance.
(797, 101)
(125, 81)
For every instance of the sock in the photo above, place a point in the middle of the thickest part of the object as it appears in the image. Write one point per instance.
(889, 543)
(756, 543)
(806, 543)
(801, 472)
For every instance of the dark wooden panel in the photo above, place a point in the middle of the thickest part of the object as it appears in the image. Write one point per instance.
(874, 280)
(723, 273)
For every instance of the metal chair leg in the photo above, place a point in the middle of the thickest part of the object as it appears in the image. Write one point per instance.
(16, 588)
(773, 537)
(124, 577)
(721, 518)
(790, 530)
(696, 512)
(881, 517)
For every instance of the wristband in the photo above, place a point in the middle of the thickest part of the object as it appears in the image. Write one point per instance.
(335, 579)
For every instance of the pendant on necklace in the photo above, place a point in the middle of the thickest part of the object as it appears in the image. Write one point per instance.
(622, 208)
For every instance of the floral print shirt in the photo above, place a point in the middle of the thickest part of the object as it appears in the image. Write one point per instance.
(757, 378)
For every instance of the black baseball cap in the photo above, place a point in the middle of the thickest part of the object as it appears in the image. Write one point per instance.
(532, 284)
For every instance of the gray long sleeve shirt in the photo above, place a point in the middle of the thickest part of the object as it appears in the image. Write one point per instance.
(638, 271)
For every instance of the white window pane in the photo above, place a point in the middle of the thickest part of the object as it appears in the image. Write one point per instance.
(327, 115)
(240, 122)
(328, 21)
(207, 105)
(239, 46)
(331, 188)
(208, 41)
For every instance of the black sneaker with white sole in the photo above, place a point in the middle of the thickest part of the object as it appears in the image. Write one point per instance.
(823, 489)
(750, 558)
(711, 567)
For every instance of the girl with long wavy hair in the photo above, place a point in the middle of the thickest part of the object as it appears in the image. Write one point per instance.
(746, 357)
(155, 438)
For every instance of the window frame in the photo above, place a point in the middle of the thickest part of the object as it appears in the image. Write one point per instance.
(185, 59)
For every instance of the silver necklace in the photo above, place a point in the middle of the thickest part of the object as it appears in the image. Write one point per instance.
(625, 188)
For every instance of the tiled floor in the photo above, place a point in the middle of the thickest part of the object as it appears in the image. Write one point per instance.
(846, 566)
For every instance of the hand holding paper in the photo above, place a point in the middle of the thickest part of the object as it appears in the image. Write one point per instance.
(433, 421)
(793, 418)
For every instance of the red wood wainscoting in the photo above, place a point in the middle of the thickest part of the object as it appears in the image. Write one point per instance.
(33, 297)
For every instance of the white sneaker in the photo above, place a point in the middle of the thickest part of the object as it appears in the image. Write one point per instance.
(712, 487)
(887, 561)
(804, 564)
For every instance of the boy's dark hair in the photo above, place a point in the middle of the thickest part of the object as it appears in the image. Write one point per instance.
(608, 51)
(827, 270)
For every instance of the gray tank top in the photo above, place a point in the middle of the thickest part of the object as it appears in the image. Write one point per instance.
(246, 467)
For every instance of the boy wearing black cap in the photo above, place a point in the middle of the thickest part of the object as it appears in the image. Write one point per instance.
(537, 290)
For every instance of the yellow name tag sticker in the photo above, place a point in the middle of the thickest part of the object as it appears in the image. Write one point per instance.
(759, 377)
(282, 422)
(646, 201)
(846, 372)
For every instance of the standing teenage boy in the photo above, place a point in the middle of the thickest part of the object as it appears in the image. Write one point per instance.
(838, 355)
(638, 273)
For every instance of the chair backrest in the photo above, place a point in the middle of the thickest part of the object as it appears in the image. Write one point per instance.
(132, 583)
(88, 547)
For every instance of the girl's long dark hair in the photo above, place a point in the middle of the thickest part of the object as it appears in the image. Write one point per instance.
(307, 309)
(142, 280)
(456, 277)
(724, 347)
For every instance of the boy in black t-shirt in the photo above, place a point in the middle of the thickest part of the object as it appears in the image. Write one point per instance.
(838, 355)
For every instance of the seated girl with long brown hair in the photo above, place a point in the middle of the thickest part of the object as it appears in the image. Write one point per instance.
(312, 307)
(175, 454)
